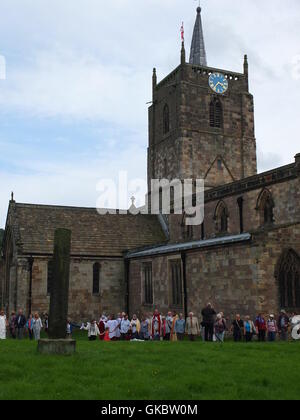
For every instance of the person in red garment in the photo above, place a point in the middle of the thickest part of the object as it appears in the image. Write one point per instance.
(156, 325)
(102, 328)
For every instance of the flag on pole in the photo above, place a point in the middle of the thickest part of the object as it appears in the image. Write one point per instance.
(182, 32)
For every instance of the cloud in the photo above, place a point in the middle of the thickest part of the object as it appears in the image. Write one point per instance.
(73, 105)
(61, 84)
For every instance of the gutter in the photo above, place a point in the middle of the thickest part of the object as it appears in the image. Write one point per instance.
(178, 248)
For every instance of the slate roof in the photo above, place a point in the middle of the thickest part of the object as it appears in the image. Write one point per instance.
(198, 53)
(187, 246)
(92, 234)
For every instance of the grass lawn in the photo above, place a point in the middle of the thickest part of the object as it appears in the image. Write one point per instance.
(152, 371)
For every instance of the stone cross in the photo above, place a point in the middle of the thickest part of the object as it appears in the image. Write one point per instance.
(59, 297)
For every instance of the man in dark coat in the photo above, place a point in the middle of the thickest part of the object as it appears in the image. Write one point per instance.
(20, 323)
(208, 315)
(283, 325)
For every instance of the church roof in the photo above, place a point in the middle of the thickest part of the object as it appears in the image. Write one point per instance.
(198, 53)
(187, 246)
(92, 234)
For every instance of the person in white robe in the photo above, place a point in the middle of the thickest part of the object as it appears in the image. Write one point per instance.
(3, 325)
(113, 328)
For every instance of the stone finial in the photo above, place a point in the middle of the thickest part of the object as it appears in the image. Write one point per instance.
(246, 70)
(154, 77)
(297, 162)
(132, 209)
(246, 64)
(182, 53)
(12, 197)
(154, 82)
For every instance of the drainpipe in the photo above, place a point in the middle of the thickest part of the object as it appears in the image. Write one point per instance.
(185, 298)
(127, 266)
(30, 262)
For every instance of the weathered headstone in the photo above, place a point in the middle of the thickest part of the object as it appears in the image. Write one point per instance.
(59, 298)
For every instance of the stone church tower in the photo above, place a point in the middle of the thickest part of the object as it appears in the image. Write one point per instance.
(201, 122)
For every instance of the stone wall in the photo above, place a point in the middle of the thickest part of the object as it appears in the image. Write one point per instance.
(83, 305)
(2, 264)
(285, 194)
(192, 147)
(236, 279)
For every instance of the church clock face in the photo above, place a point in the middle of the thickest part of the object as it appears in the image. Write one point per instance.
(218, 83)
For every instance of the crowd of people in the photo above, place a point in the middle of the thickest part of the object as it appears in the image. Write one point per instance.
(172, 327)
(19, 326)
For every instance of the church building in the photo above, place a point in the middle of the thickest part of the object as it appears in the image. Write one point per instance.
(245, 256)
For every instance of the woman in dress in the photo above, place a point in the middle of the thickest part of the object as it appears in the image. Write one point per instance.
(135, 327)
(3, 325)
(37, 325)
(29, 326)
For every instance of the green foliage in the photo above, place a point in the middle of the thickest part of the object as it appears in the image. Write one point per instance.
(174, 371)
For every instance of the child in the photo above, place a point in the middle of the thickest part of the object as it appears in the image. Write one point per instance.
(106, 335)
(93, 330)
(69, 329)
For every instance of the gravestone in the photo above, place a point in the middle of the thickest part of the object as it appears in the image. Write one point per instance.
(59, 298)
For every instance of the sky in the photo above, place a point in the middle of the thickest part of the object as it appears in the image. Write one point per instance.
(73, 102)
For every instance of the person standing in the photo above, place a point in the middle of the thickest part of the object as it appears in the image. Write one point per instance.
(37, 325)
(272, 328)
(283, 325)
(180, 327)
(249, 329)
(238, 328)
(12, 325)
(93, 330)
(173, 332)
(144, 333)
(135, 327)
(20, 324)
(168, 326)
(208, 314)
(261, 327)
(113, 328)
(3, 325)
(156, 326)
(125, 327)
(29, 327)
(118, 330)
(220, 328)
(192, 327)
(101, 327)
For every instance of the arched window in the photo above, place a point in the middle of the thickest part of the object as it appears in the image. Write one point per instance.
(49, 276)
(288, 277)
(265, 206)
(96, 279)
(221, 218)
(176, 283)
(216, 113)
(166, 120)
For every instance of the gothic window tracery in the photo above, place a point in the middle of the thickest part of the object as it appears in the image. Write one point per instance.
(216, 113)
(288, 276)
(221, 218)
